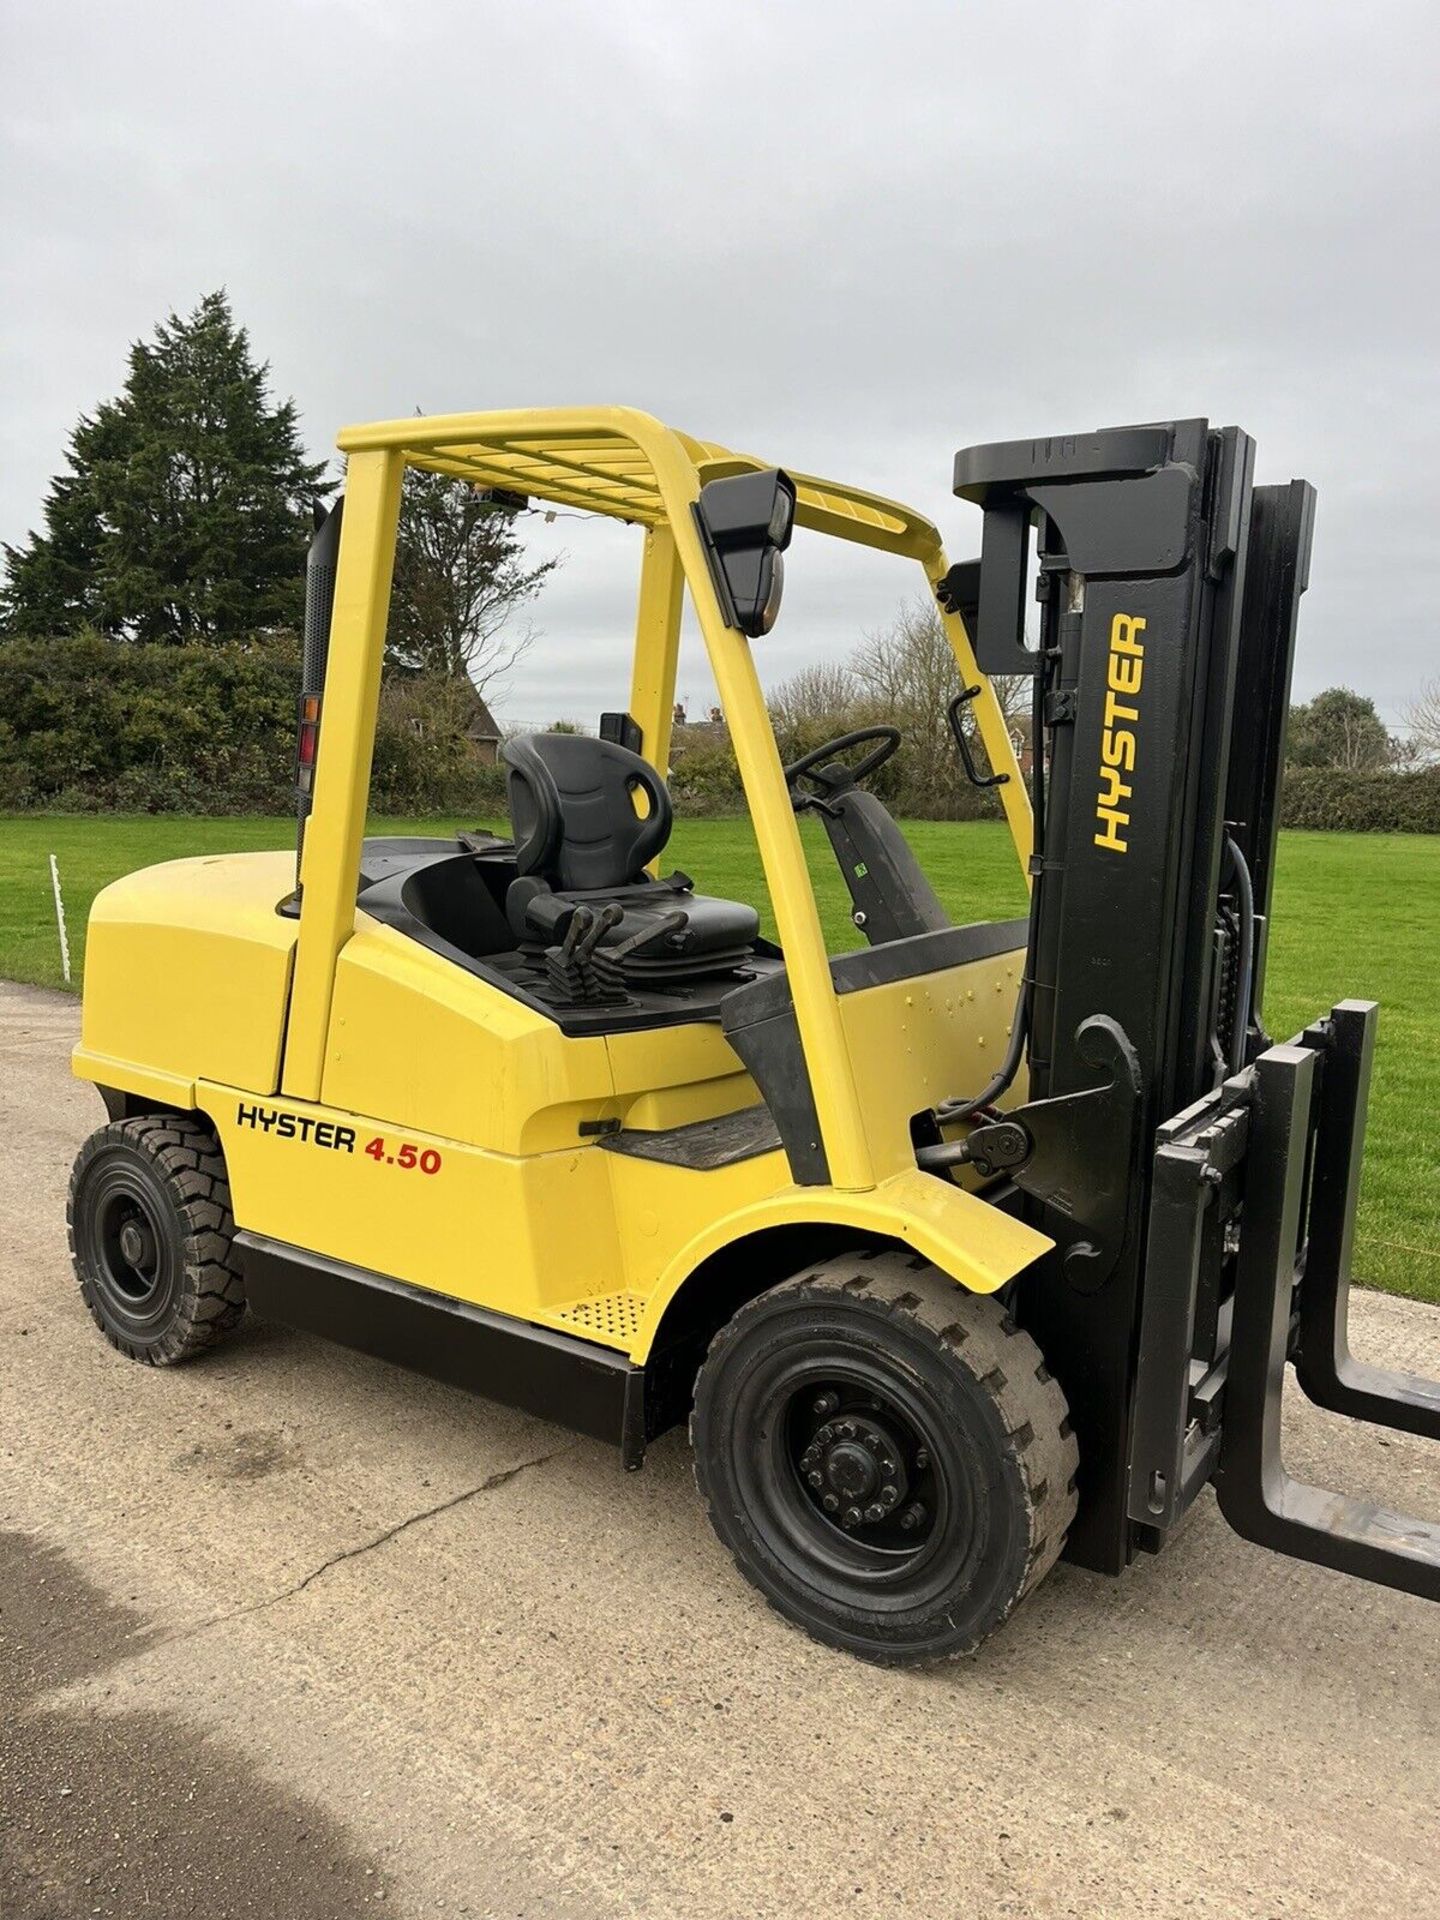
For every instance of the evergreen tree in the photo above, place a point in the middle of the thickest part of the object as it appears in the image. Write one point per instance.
(184, 513)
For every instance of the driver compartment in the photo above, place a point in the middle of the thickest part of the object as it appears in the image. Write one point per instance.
(502, 909)
(449, 896)
(938, 987)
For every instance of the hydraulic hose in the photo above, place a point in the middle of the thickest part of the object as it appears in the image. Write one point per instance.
(1238, 874)
(1005, 1073)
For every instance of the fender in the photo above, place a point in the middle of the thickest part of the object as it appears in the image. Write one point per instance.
(964, 1236)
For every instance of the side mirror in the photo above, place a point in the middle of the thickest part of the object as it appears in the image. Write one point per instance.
(746, 523)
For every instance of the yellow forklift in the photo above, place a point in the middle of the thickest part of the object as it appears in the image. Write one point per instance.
(971, 1247)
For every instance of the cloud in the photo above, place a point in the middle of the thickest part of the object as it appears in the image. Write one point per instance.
(844, 236)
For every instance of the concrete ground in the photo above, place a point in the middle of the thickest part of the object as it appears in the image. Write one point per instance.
(290, 1631)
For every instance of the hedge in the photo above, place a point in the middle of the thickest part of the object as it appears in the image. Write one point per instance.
(90, 725)
(94, 725)
(1334, 801)
(705, 780)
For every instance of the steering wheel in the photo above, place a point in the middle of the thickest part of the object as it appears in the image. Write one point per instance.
(836, 779)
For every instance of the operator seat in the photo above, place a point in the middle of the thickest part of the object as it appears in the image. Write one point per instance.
(580, 842)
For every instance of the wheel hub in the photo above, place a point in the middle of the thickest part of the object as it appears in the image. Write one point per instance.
(137, 1245)
(854, 1467)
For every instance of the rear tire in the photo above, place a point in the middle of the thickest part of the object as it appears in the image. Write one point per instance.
(887, 1457)
(151, 1238)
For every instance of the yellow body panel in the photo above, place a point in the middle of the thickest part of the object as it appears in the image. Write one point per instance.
(508, 1232)
(310, 1042)
(913, 1042)
(518, 1210)
(543, 1235)
(975, 1243)
(187, 976)
(420, 1043)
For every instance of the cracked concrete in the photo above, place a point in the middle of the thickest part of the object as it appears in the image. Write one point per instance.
(562, 1703)
(489, 1484)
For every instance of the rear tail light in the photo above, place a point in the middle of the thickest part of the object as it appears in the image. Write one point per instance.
(307, 741)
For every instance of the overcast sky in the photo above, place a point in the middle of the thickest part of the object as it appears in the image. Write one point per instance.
(847, 237)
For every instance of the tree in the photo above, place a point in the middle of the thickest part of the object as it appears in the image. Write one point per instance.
(904, 675)
(183, 515)
(813, 706)
(460, 577)
(1341, 729)
(907, 675)
(1422, 717)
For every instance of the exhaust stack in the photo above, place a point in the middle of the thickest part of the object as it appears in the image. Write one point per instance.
(321, 564)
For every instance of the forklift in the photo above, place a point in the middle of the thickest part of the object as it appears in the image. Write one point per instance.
(968, 1249)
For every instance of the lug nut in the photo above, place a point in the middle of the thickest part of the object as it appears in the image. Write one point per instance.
(827, 1403)
(831, 1502)
(874, 1511)
(816, 1478)
(851, 1517)
(913, 1516)
(922, 1458)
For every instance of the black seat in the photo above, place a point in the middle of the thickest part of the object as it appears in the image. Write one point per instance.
(582, 841)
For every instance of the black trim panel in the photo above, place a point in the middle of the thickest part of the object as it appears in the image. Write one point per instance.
(702, 1145)
(882, 966)
(589, 1389)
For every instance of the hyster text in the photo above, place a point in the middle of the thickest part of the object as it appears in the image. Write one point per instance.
(1117, 742)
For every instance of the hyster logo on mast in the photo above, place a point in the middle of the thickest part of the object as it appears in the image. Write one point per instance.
(1117, 743)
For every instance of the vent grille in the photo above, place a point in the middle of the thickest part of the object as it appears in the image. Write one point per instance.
(617, 1315)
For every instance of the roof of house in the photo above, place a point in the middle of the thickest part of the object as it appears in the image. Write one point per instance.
(482, 722)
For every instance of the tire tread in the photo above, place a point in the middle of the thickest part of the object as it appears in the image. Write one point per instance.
(984, 1339)
(186, 1154)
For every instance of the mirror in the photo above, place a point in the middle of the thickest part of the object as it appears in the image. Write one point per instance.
(746, 523)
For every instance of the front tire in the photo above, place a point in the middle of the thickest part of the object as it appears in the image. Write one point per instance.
(151, 1235)
(887, 1457)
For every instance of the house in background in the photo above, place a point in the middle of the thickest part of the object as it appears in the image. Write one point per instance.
(1020, 741)
(687, 733)
(482, 734)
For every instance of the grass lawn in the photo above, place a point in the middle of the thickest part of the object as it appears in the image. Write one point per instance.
(1355, 915)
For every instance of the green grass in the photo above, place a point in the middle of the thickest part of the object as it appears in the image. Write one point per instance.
(1355, 914)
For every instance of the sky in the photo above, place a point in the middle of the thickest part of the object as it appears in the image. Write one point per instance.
(845, 237)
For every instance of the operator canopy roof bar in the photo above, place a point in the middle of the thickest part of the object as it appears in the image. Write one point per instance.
(606, 460)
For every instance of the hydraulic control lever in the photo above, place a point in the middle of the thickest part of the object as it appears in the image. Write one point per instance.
(609, 962)
(583, 971)
(569, 967)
